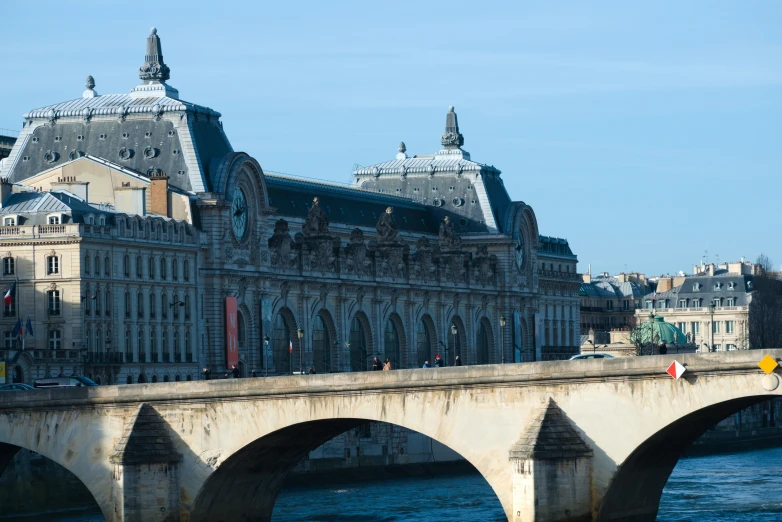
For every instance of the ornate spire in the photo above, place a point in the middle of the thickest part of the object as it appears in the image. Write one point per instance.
(154, 69)
(90, 85)
(402, 151)
(451, 139)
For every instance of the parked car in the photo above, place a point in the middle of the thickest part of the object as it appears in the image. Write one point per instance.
(15, 387)
(580, 356)
(64, 382)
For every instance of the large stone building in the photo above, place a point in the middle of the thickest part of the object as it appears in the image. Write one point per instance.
(144, 248)
(609, 302)
(710, 307)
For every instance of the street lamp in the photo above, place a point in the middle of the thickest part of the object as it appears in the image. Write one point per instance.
(454, 331)
(502, 339)
(266, 355)
(300, 333)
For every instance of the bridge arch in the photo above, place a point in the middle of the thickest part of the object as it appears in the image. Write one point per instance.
(636, 488)
(246, 485)
(82, 468)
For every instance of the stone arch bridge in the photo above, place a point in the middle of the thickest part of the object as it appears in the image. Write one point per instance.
(569, 440)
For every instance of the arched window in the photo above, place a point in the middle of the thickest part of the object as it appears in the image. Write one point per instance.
(358, 346)
(177, 378)
(482, 348)
(129, 379)
(97, 298)
(18, 374)
(164, 305)
(151, 266)
(127, 304)
(139, 268)
(88, 340)
(87, 262)
(140, 303)
(107, 298)
(391, 342)
(455, 333)
(176, 306)
(97, 265)
(164, 346)
(107, 266)
(153, 346)
(186, 270)
(142, 379)
(424, 345)
(142, 351)
(321, 346)
(126, 266)
(165, 378)
(281, 337)
(154, 378)
(175, 269)
(152, 305)
(98, 340)
(189, 377)
(163, 271)
(128, 348)
(177, 354)
(188, 354)
(187, 307)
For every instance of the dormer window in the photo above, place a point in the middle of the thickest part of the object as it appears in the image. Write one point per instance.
(731, 286)
(102, 221)
(53, 220)
(717, 286)
(9, 221)
(696, 287)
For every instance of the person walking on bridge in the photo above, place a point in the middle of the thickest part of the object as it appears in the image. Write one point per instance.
(457, 362)
(426, 365)
(376, 365)
(437, 361)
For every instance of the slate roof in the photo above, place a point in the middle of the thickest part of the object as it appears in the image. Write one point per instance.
(115, 104)
(550, 436)
(742, 288)
(609, 288)
(30, 202)
(555, 245)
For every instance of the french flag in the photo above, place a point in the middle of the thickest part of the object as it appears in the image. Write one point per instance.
(290, 345)
(9, 295)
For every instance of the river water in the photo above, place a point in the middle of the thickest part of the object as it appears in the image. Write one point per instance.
(742, 487)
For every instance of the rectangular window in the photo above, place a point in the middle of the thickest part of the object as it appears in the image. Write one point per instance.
(649, 305)
(55, 339)
(717, 302)
(610, 306)
(717, 347)
(53, 299)
(695, 328)
(731, 301)
(682, 303)
(9, 266)
(52, 265)
(682, 327)
(8, 340)
(715, 327)
(730, 347)
(9, 222)
(626, 305)
(729, 327)
(54, 220)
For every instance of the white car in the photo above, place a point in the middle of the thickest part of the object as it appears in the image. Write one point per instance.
(591, 356)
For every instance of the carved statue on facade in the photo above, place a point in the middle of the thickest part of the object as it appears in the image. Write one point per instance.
(356, 259)
(317, 223)
(281, 246)
(484, 266)
(453, 267)
(448, 238)
(423, 258)
(387, 229)
(321, 255)
(392, 262)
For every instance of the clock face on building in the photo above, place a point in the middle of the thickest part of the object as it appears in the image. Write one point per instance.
(239, 213)
(520, 252)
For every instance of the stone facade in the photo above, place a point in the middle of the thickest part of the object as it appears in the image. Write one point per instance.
(324, 275)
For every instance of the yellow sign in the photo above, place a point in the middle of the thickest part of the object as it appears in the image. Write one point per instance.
(768, 364)
(2, 372)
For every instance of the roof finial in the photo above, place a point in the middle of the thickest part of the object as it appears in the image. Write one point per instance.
(90, 85)
(154, 69)
(402, 151)
(452, 139)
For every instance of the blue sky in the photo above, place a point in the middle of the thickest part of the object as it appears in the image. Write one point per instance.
(645, 135)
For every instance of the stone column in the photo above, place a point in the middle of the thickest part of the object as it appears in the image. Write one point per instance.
(552, 471)
(146, 474)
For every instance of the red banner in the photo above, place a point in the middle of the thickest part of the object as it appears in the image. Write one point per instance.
(231, 333)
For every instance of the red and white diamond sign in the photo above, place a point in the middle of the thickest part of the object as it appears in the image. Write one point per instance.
(676, 370)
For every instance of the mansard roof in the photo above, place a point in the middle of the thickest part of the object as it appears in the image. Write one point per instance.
(148, 129)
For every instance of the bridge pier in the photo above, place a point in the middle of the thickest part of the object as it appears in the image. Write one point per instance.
(552, 471)
(146, 471)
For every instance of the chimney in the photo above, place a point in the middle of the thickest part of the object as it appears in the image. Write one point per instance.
(6, 189)
(158, 193)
